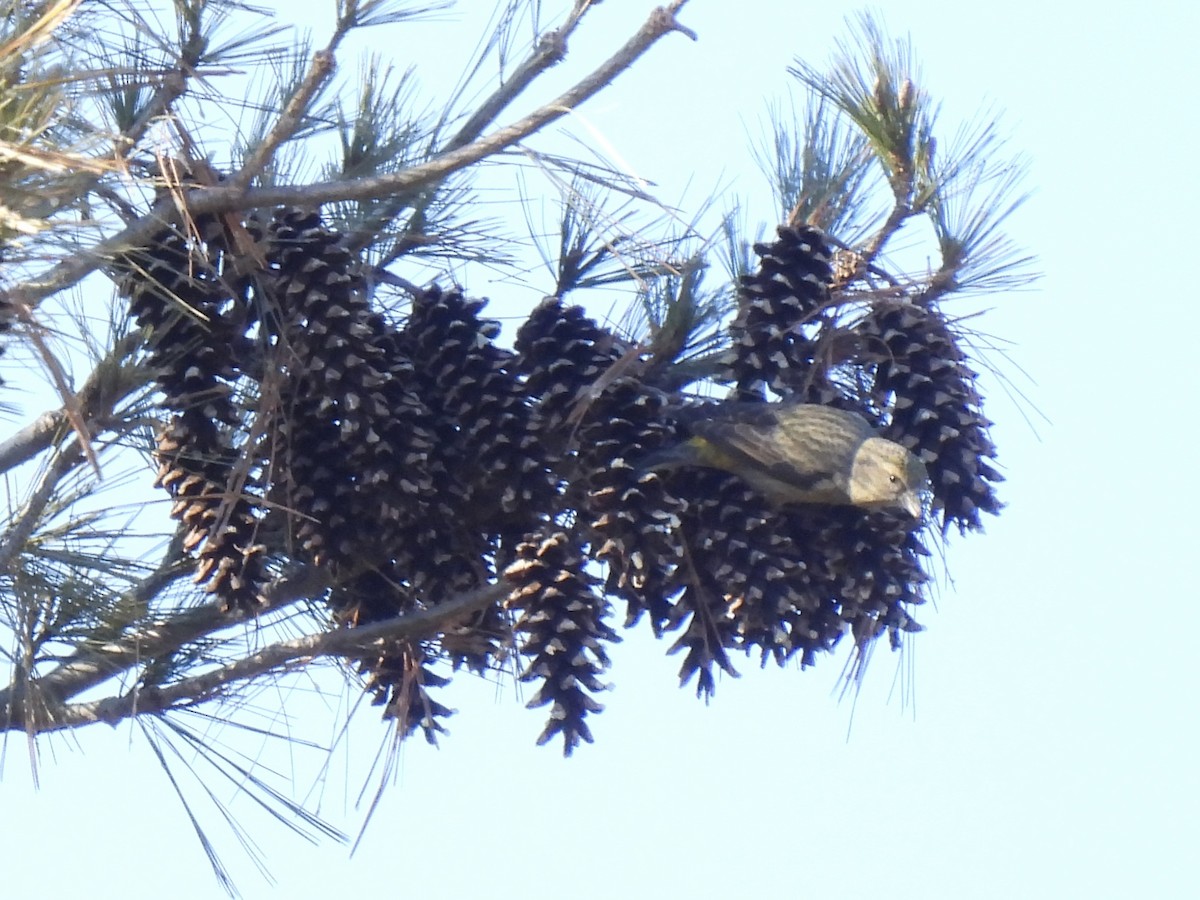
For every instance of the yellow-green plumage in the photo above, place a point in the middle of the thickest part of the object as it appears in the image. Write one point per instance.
(802, 453)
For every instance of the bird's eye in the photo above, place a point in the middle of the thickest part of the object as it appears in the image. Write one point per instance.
(894, 479)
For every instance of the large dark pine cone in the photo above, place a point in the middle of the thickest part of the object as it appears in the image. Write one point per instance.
(175, 292)
(749, 577)
(356, 436)
(563, 626)
(865, 572)
(780, 307)
(632, 519)
(374, 422)
(782, 582)
(487, 436)
(484, 444)
(563, 354)
(923, 376)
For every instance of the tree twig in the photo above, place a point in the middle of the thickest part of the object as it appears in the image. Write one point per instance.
(550, 49)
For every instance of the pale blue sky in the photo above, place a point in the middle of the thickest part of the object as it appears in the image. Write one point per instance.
(1047, 742)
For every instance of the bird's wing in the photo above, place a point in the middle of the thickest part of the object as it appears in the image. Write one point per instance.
(803, 453)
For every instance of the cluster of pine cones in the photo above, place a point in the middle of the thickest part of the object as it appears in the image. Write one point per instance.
(414, 459)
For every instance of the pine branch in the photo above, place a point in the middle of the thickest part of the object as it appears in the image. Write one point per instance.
(94, 664)
(172, 87)
(26, 520)
(94, 401)
(351, 643)
(323, 63)
(224, 199)
(550, 50)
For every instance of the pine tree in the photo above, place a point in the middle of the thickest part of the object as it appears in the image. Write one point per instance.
(359, 465)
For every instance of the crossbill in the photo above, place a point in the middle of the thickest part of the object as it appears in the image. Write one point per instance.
(800, 453)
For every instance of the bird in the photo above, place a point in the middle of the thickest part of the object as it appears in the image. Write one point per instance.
(799, 453)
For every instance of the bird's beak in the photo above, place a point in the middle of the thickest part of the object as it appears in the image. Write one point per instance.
(911, 504)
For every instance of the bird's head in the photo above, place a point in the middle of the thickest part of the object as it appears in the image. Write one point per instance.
(885, 475)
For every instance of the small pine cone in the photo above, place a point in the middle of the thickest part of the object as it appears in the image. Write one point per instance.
(565, 629)
(779, 308)
(400, 681)
(936, 408)
(562, 353)
(218, 522)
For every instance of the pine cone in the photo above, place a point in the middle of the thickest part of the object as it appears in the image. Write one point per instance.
(195, 326)
(779, 311)
(562, 353)
(356, 435)
(487, 436)
(563, 621)
(633, 519)
(936, 408)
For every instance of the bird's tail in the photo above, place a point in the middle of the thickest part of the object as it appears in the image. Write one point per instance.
(667, 458)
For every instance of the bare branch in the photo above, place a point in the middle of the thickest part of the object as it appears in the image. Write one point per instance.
(550, 50)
